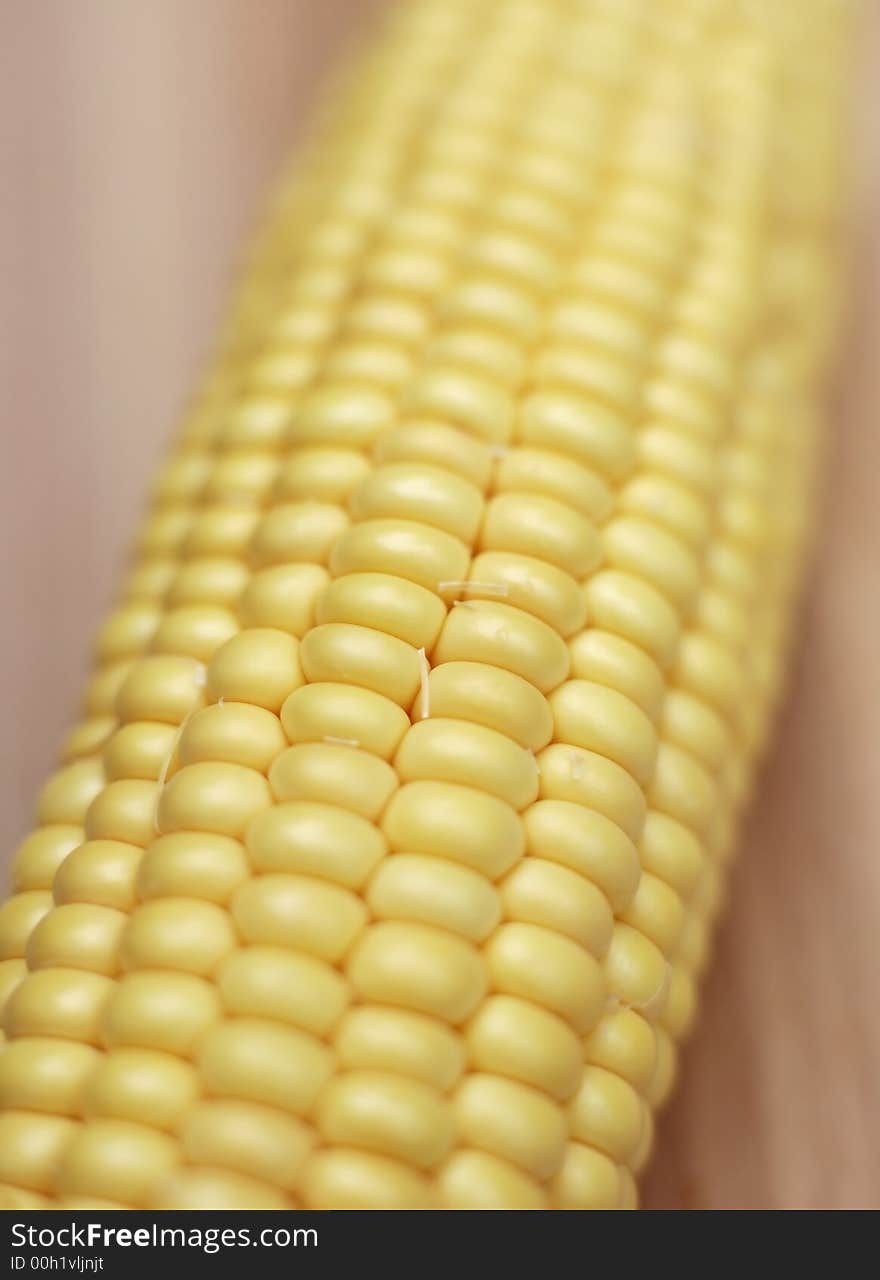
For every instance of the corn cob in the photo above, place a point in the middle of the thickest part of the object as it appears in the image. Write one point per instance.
(386, 860)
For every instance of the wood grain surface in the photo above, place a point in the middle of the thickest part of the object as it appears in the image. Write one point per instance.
(135, 141)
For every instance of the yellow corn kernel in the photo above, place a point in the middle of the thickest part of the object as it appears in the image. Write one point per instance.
(298, 911)
(45, 1075)
(437, 444)
(163, 688)
(345, 713)
(297, 531)
(66, 797)
(456, 751)
(154, 1010)
(262, 1061)
(630, 607)
(400, 609)
(182, 934)
(215, 1189)
(610, 660)
(600, 719)
(58, 1002)
(607, 1113)
(333, 773)
(511, 1121)
(78, 935)
(403, 548)
(364, 657)
(516, 1037)
(456, 822)
(194, 629)
(282, 598)
(541, 892)
(624, 1041)
(139, 750)
(141, 1085)
(376, 1037)
(211, 796)
(589, 432)
(416, 491)
(232, 733)
(259, 666)
(475, 404)
(480, 630)
(588, 1179)
(19, 916)
(30, 1148)
(473, 1179)
(274, 982)
(488, 696)
(41, 854)
(541, 527)
(592, 782)
(402, 1118)
(418, 967)
(532, 585)
(246, 1138)
(11, 974)
(315, 839)
(434, 891)
(202, 866)
(342, 1178)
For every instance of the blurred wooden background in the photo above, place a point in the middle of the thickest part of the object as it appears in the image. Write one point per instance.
(135, 141)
